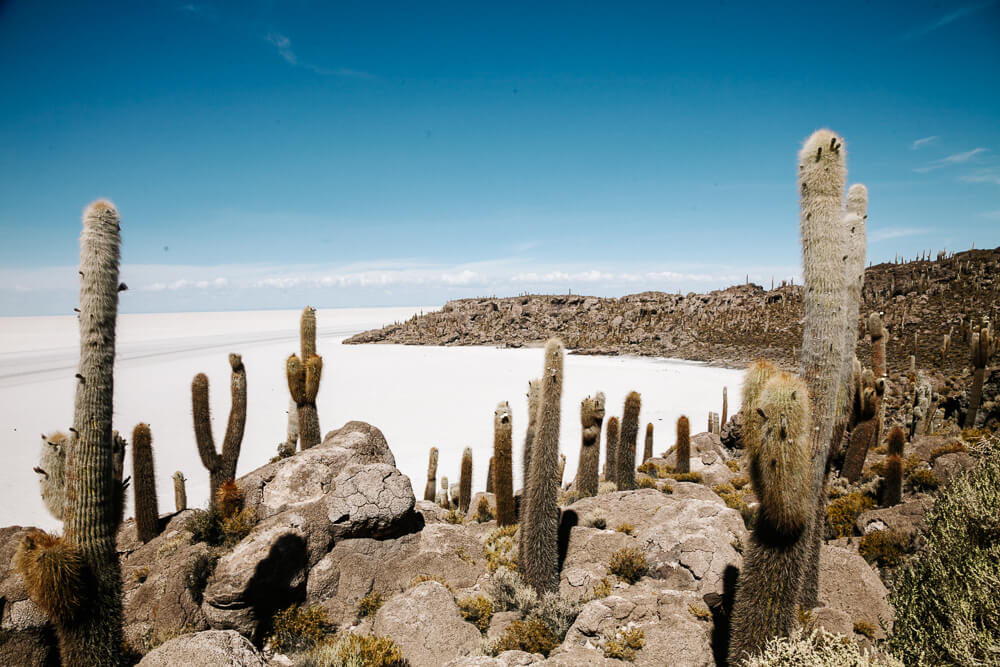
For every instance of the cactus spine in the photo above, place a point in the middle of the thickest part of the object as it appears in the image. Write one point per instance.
(503, 471)
(822, 176)
(980, 348)
(628, 441)
(538, 560)
(221, 468)
(180, 492)
(647, 450)
(534, 393)
(611, 450)
(432, 467)
(893, 493)
(683, 463)
(465, 481)
(767, 596)
(303, 385)
(591, 419)
(147, 515)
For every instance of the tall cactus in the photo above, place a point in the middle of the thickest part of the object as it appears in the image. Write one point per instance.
(878, 335)
(980, 348)
(863, 433)
(465, 481)
(893, 492)
(503, 471)
(307, 344)
(647, 450)
(490, 476)
(180, 492)
(147, 515)
(77, 577)
(432, 466)
(534, 396)
(611, 450)
(683, 448)
(303, 384)
(443, 497)
(855, 224)
(591, 419)
(767, 596)
(823, 225)
(221, 468)
(628, 441)
(538, 561)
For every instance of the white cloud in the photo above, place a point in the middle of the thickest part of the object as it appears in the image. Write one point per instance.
(987, 175)
(874, 236)
(946, 19)
(957, 158)
(919, 143)
(284, 46)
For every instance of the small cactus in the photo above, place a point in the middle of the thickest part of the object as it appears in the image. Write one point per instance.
(863, 433)
(893, 492)
(180, 492)
(303, 385)
(53, 570)
(611, 450)
(647, 450)
(591, 419)
(683, 463)
(307, 343)
(444, 500)
(625, 457)
(980, 348)
(490, 482)
(432, 466)
(465, 482)
(503, 472)
(538, 559)
(725, 406)
(534, 394)
(147, 516)
(220, 467)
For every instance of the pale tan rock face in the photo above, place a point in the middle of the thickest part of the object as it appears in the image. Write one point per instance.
(849, 584)
(218, 648)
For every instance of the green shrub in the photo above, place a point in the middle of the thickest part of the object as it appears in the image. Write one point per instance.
(844, 511)
(556, 612)
(197, 573)
(531, 636)
(500, 549)
(455, 517)
(922, 479)
(477, 610)
(206, 526)
(238, 526)
(946, 600)
(628, 564)
(947, 449)
(646, 483)
(885, 548)
(818, 648)
(686, 477)
(355, 651)
(484, 512)
(296, 629)
(623, 643)
(370, 604)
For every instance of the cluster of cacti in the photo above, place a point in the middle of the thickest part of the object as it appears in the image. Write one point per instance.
(180, 492)
(647, 450)
(683, 449)
(769, 589)
(591, 420)
(611, 450)
(76, 578)
(625, 457)
(222, 467)
(465, 481)
(538, 558)
(892, 493)
(980, 348)
(432, 466)
(147, 516)
(503, 471)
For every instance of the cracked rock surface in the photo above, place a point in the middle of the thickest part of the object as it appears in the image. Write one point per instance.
(369, 500)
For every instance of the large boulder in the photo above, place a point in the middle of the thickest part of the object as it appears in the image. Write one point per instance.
(849, 584)
(372, 500)
(211, 648)
(906, 518)
(952, 465)
(26, 636)
(426, 624)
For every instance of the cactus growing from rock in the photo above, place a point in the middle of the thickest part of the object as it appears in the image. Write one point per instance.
(854, 267)
(503, 471)
(490, 481)
(769, 587)
(180, 492)
(444, 498)
(725, 406)
(591, 419)
(683, 462)
(220, 467)
(611, 450)
(303, 385)
(863, 433)
(757, 376)
(307, 344)
(538, 561)
(893, 492)
(628, 440)
(534, 393)
(52, 473)
(877, 332)
(147, 515)
(647, 450)
(465, 481)
(432, 466)
(980, 356)
(53, 570)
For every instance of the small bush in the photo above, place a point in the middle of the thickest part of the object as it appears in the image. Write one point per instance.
(646, 483)
(598, 520)
(556, 612)
(700, 612)
(238, 526)
(229, 499)
(666, 489)
(140, 575)
(739, 482)
(355, 651)
(844, 511)
(885, 548)
(628, 564)
(686, 477)
(477, 610)
(601, 590)
(531, 636)
(500, 550)
(296, 629)
(818, 648)
(733, 465)
(625, 527)
(197, 573)
(947, 449)
(206, 526)
(865, 628)
(648, 468)
(665, 470)
(623, 644)
(568, 498)
(606, 487)
(508, 591)
(421, 578)
(370, 604)
(945, 596)
(484, 512)
(922, 479)
(455, 517)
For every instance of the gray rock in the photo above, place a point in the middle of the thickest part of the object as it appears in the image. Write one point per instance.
(365, 442)
(849, 584)
(833, 620)
(505, 659)
(211, 648)
(949, 466)
(26, 636)
(373, 500)
(906, 518)
(426, 624)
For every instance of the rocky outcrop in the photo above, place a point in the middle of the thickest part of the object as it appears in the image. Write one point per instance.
(371, 500)
(26, 636)
(211, 648)
(849, 584)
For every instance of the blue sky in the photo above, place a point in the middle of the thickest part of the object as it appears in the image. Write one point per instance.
(270, 154)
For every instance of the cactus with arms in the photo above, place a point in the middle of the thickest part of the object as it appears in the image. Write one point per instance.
(221, 467)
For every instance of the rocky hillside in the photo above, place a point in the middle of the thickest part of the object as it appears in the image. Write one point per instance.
(922, 300)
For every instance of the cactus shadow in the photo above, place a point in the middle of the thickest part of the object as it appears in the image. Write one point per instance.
(279, 581)
(721, 607)
(567, 520)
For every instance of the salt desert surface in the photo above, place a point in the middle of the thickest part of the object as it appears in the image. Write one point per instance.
(418, 396)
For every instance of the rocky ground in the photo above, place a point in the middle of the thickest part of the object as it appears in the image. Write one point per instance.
(339, 523)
